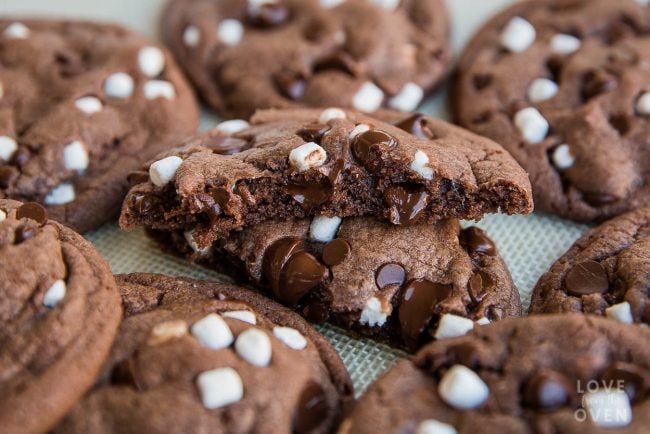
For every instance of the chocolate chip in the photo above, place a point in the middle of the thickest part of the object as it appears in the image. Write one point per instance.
(587, 277)
(8, 175)
(312, 409)
(477, 285)
(598, 199)
(634, 379)
(291, 85)
(34, 211)
(416, 124)
(335, 252)
(596, 82)
(309, 194)
(24, 233)
(268, 15)
(339, 61)
(417, 305)
(475, 240)
(313, 132)
(481, 81)
(277, 255)
(548, 390)
(405, 207)
(368, 142)
(226, 145)
(390, 274)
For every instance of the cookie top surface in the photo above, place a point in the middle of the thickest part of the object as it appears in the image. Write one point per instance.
(248, 54)
(81, 105)
(605, 272)
(564, 86)
(513, 377)
(59, 313)
(305, 162)
(196, 356)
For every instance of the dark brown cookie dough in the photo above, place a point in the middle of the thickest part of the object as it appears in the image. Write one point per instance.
(59, 313)
(248, 54)
(307, 162)
(564, 86)
(606, 272)
(81, 105)
(568, 374)
(276, 376)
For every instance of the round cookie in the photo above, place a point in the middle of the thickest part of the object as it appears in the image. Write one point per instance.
(196, 356)
(564, 86)
(59, 313)
(81, 105)
(565, 374)
(605, 272)
(248, 54)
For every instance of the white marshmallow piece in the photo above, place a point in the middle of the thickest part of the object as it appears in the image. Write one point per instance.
(159, 89)
(151, 61)
(420, 165)
(232, 126)
(359, 129)
(643, 104)
(307, 156)
(329, 4)
(389, 5)
(220, 387)
(163, 171)
(452, 326)
(212, 332)
(119, 85)
(518, 35)
(75, 156)
(608, 408)
(89, 104)
(60, 195)
(621, 312)
(368, 98)
(54, 294)
(3, 215)
(166, 331)
(254, 346)
(532, 125)
(542, 89)
(408, 98)
(16, 31)
(331, 113)
(230, 31)
(562, 157)
(374, 314)
(7, 147)
(565, 44)
(323, 229)
(290, 337)
(462, 388)
(242, 315)
(432, 426)
(191, 36)
(483, 321)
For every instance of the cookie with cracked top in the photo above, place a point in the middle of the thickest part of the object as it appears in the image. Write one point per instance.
(81, 105)
(59, 313)
(196, 356)
(605, 272)
(244, 55)
(304, 162)
(563, 85)
(546, 374)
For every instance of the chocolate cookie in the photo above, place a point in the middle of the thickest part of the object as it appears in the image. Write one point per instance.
(81, 105)
(564, 86)
(59, 313)
(248, 54)
(303, 163)
(544, 374)
(606, 272)
(196, 356)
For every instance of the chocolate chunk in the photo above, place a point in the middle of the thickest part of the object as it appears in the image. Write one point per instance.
(269, 15)
(587, 277)
(548, 390)
(335, 252)
(227, 145)
(390, 274)
(475, 240)
(405, 206)
(417, 305)
(365, 144)
(33, 211)
(313, 132)
(632, 378)
(312, 409)
(309, 194)
(416, 124)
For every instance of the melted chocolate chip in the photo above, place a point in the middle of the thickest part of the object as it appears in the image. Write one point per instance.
(313, 132)
(312, 409)
(339, 61)
(227, 145)
(269, 15)
(277, 255)
(24, 233)
(478, 284)
(291, 85)
(587, 277)
(309, 194)
(548, 390)
(368, 142)
(598, 199)
(34, 211)
(390, 274)
(417, 305)
(405, 207)
(143, 204)
(416, 125)
(597, 82)
(634, 379)
(335, 252)
(475, 240)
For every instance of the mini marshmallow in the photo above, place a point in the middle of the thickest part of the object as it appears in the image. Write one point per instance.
(368, 98)
(233, 126)
(3, 215)
(254, 346)
(621, 312)
(452, 326)
(290, 337)
(7, 147)
(54, 294)
(119, 85)
(329, 4)
(151, 61)
(518, 35)
(60, 195)
(191, 36)
(608, 408)
(389, 5)
(432, 426)
(323, 229)
(212, 332)
(307, 156)
(532, 125)
(75, 156)
(483, 321)
(89, 104)
(189, 237)
(542, 89)
(408, 98)
(241, 315)
(331, 113)
(159, 89)
(462, 388)
(163, 171)
(220, 387)
(565, 44)
(643, 104)
(230, 31)
(562, 157)
(359, 129)
(16, 31)
(166, 331)
(374, 314)
(419, 165)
